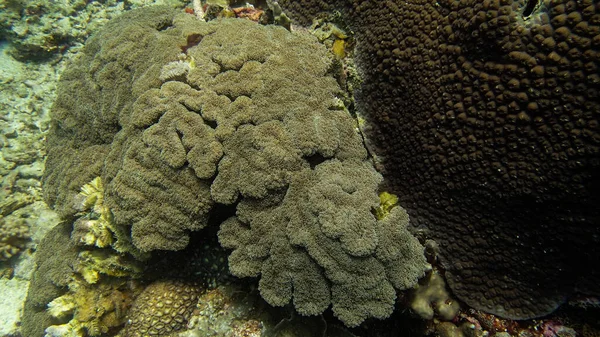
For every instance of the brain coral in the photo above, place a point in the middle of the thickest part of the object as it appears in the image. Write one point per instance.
(248, 116)
(162, 308)
(485, 118)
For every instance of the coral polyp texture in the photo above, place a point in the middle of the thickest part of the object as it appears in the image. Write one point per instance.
(484, 116)
(180, 117)
(91, 102)
(325, 246)
(164, 307)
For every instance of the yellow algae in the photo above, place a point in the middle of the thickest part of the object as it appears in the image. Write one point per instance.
(387, 201)
(339, 48)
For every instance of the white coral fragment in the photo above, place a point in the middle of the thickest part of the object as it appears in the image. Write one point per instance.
(174, 70)
(71, 329)
(61, 306)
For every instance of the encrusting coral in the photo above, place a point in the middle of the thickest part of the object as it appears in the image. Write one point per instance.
(432, 299)
(256, 124)
(14, 235)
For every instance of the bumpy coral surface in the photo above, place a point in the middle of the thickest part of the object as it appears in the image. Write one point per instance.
(484, 115)
(248, 117)
(14, 235)
(431, 298)
(162, 308)
(90, 310)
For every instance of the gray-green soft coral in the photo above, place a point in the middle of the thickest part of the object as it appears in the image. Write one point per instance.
(318, 243)
(250, 116)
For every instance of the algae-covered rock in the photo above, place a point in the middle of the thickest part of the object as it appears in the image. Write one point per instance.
(14, 235)
(41, 29)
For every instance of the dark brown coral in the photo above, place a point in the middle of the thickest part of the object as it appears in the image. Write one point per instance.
(484, 116)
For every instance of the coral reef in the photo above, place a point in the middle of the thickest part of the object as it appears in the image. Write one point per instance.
(227, 311)
(90, 101)
(100, 288)
(53, 271)
(157, 169)
(26, 95)
(91, 264)
(254, 123)
(96, 227)
(483, 116)
(162, 308)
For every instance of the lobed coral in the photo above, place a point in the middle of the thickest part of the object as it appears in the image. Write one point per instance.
(484, 118)
(14, 235)
(90, 102)
(325, 251)
(256, 124)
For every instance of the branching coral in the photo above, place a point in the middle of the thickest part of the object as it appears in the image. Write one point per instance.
(89, 310)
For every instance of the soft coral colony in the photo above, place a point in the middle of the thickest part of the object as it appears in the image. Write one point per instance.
(250, 118)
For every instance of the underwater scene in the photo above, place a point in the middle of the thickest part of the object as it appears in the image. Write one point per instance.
(300, 168)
